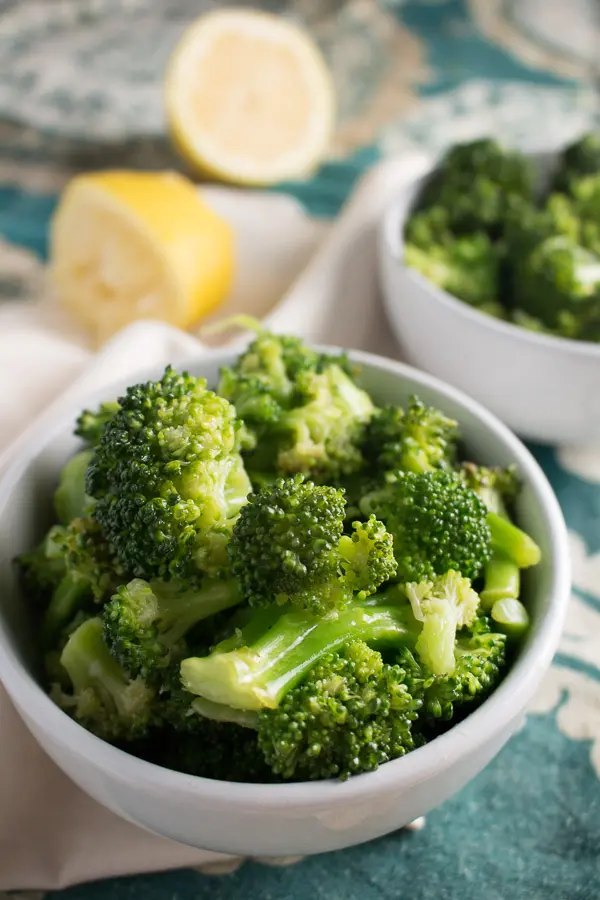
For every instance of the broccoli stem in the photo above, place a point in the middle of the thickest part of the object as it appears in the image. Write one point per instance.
(501, 579)
(257, 677)
(511, 617)
(509, 540)
(89, 664)
(65, 602)
(218, 712)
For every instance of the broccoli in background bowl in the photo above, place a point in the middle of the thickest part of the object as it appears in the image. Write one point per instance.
(485, 230)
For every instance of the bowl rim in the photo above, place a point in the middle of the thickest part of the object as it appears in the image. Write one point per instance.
(490, 719)
(391, 237)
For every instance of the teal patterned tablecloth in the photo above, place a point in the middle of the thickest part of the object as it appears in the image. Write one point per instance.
(76, 92)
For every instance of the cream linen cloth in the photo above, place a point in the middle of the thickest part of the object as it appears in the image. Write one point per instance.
(51, 834)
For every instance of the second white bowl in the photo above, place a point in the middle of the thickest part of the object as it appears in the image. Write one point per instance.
(545, 388)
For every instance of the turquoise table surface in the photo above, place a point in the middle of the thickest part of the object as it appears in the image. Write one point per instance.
(419, 73)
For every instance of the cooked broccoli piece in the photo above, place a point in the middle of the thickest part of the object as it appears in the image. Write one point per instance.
(261, 668)
(510, 617)
(416, 440)
(70, 499)
(474, 184)
(217, 750)
(287, 547)
(102, 697)
(145, 624)
(42, 568)
(168, 479)
(512, 549)
(466, 266)
(437, 523)
(350, 714)
(558, 283)
(580, 158)
(443, 606)
(303, 409)
(90, 423)
(67, 572)
(479, 660)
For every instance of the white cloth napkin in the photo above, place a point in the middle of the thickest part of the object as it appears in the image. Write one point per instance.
(51, 834)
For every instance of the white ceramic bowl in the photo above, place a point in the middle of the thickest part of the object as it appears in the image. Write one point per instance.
(274, 820)
(545, 388)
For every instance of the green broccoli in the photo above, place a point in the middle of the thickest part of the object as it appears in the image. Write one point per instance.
(90, 423)
(256, 670)
(350, 714)
(474, 185)
(41, 569)
(416, 440)
(168, 478)
(444, 606)
(102, 697)
(479, 660)
(466, 266)
(287, 547)
(580, 158)
(70, 498)
(145, 624)
(437, 523)
(302, 408)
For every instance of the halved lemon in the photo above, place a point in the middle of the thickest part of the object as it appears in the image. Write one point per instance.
(249, 98)
(138, 245)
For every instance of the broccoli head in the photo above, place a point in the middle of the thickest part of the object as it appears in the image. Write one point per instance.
(559, 285)
(444, 606)
(287, 547)
(479, 660)
(303, 410)
(474, 184)
(579, 159)
(466, 266)
(90, 423)
(145, 624)
(416, 440)
(436, 521)
(102, 697)
(350, 714)
(168, 479)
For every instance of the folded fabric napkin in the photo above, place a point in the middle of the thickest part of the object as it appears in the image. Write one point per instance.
(51, 834)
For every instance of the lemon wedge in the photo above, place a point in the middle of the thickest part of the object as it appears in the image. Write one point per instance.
(249, 98)
(128, 245)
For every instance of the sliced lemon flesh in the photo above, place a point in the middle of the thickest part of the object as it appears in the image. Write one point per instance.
(129, 245)
(249, 98)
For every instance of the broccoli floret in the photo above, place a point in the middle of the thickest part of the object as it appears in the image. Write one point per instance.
(102, 697)
(261, 668)
(67, 572)
(474, 184)
(217, 750)
(41, 569)
(287, 547)
(443, 606)
(303, 409)
(498, 487)
(70, 499)
(350, 714)
(437, 523)
(168, 478)
(479, 660)
(580, 158)
(466, 266)
(416, 440)
(145, 624)
(559, 284)
(90, 423)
